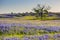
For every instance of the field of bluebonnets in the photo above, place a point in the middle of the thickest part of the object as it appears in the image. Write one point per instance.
(44, 30)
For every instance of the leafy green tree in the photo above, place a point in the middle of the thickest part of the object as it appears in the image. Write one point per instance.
(41, 10)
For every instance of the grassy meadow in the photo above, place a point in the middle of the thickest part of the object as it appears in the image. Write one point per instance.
(29, 28)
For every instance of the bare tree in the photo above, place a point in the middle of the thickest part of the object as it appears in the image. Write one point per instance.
(41, 10)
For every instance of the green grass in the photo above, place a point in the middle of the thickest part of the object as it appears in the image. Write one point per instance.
(21, 35)
(49, 18)
(39, 18)
(32, 18)
(29, 17)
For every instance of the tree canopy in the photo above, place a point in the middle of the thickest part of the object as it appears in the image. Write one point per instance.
(41, 10)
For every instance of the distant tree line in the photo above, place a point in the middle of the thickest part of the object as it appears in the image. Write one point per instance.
(11, 15)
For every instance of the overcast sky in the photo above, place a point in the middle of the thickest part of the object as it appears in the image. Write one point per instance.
(7, 6)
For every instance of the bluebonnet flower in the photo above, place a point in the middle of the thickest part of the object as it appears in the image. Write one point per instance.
(41, 38)
(50, 29)
(57, 36)
(26, 38)
(15, 38)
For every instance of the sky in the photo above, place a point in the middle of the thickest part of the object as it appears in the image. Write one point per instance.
(16, 6)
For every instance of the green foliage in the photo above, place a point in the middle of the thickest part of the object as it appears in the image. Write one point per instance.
(1, 33)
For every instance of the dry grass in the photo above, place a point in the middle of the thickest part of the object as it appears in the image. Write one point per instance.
(35, 22)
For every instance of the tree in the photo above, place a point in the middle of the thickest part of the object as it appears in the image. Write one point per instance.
(41, 10)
